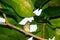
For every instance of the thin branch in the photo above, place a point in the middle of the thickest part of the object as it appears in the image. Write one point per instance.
(43, 29)
(5, 18)
(19, 29)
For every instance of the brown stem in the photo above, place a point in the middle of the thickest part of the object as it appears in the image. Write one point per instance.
(5, 18)
(43, 29)
(19, 29)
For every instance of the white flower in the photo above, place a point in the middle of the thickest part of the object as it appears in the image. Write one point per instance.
(2, 19)
(37, 12)
(31, 38)
(25, 20)
(33, 28)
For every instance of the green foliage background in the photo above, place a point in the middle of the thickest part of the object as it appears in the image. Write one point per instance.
(13, 9)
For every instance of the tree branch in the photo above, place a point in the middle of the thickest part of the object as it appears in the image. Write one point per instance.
(19, 29)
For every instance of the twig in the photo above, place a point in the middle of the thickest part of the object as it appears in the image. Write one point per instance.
(43, 29)
(19, 29)
(5, 18)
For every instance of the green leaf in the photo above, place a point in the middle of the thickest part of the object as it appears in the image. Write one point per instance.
(39, 30)
(12, 21)
(20, 26)
(33, 1)
(20, 7)
(39, 34)
(3, 37)
(10, 34)
(39, 27)
(55, 22)
(54, 3)
(40, 3)
(45, 6)
(57, 36)
(51, 12)
(10, 13)
(49, 32)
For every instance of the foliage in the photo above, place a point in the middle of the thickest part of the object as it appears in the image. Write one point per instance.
(16, 10)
